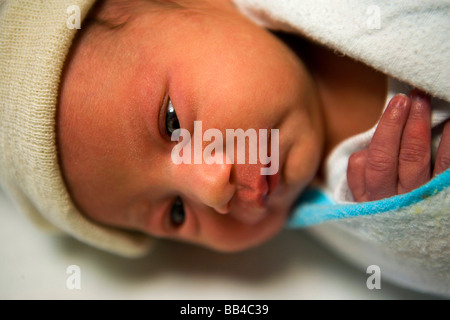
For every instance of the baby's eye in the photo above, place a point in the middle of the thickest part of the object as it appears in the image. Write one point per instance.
(172, 122)
(177, 215)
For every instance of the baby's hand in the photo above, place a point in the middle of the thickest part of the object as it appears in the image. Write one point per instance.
(397, 160)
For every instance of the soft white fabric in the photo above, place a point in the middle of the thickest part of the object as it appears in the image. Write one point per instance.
(407, 40)
(34, 42)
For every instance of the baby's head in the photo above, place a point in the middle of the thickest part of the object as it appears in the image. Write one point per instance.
(144, 68)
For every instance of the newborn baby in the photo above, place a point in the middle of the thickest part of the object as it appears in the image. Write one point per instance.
(141, 69)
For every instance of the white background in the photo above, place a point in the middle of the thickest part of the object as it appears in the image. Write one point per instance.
(291, 266)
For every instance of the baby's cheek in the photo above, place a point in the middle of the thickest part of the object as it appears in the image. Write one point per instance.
(302, 164)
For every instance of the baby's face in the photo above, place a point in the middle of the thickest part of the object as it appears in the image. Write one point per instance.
(214, 66)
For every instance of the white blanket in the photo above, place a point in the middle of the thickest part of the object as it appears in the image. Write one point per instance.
(407, 39)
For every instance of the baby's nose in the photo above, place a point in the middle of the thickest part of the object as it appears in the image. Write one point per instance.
(209, 184)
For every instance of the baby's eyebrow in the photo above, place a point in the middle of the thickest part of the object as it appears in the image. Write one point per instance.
(111, 15)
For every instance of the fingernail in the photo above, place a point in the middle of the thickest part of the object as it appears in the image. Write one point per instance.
(421, 102)
(417, 94)
(401, 101)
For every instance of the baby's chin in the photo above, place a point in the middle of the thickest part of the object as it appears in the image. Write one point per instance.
(264, 230)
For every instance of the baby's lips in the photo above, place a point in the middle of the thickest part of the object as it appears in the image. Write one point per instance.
(250, 185)
(252, 190)
(251, 198)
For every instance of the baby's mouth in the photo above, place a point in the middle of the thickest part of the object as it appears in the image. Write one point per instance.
(249, 204)
(253, 190)
(253, 194)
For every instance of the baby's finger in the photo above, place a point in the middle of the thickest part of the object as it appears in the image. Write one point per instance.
(415, 148)
(382, 160)
(356, 175)
(442, 162)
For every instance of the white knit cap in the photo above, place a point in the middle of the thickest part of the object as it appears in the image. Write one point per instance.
(34, 42)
